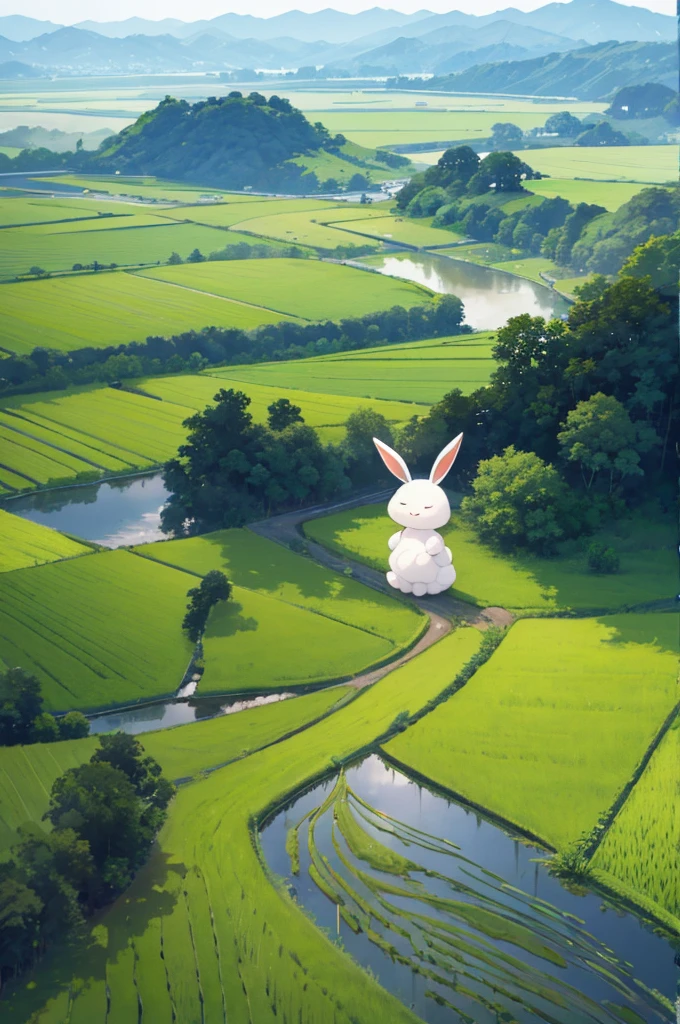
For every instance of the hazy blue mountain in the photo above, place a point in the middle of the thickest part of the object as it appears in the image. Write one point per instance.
(14, 70)
(20, 28)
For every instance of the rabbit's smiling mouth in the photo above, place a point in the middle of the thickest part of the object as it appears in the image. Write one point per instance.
(414, 513)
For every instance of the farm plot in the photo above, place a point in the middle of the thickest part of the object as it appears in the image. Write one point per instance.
(97, 631)
(230, 213)
(38, 463)
(301, 228)
(327, 413)
(648, 164)
(385, 128)
(258, 564)
(420, 372)
(402, 229)
(16, 210)
(25, 543)
(27, 773)
(551, 728)
(143, 187)
(526, 582)
(610, 194)
(264, 941)
(640, 849)
(112, 309)
(308, 289)
(125, 241)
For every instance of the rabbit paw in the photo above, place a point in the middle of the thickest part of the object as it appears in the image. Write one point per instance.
(419, 589)
(444, 557)
(423, 558)
(392, 580)
(434, 545)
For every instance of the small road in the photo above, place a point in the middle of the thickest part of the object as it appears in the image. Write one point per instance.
(442, 609)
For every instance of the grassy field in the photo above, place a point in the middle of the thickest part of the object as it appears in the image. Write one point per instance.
(307, 289)
(608, 163)
(98, 631)
(640, 848)
(17, 210)
(526, 582)
(251, 941)
(112, 309)
(551, 728)
(26, 544)
(243, 208)
(609, 194)
(421, 371)
(270, 569)
(27, 773)
(404, 229)
(304, 228)
(145, 187)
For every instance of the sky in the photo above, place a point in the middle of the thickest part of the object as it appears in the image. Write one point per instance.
(67, 12)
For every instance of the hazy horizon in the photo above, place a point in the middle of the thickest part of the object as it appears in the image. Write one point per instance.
(69, 12)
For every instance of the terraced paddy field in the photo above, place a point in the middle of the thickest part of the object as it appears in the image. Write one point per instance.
(269, 962)
(123, 240)
(526, 583)
(548, 732)
(271, 570)
(26, 544)
(58, 438)
(113, 309)
(640, 849)
(27, 773)
(420, 372)
(646, 164)
(99, 630)
(307, 289)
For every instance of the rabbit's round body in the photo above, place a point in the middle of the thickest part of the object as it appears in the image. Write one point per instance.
(420, 562)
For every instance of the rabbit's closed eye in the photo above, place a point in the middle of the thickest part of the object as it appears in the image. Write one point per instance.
(428, 506)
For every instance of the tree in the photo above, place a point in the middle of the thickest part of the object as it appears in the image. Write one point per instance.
(45, 728)
(174, 259)
(519, 500)
(282, 414)
(127, 754)
(20, 704)
(37, 271)
(214, 587)
(195, 256)
(593, 288)
(658, 260)
(635, 101)
(73, 726)
(505, 134)
(427, 202)
(19, 924)
(602, 134)
(501, 171)
(360, 428)
(58, 867)
(357, 183)
(600, 437)
(564, 124)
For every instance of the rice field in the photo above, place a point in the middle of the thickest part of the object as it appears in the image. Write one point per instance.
(269, 569)
(97, 631)
(26, 544)
(248, 209)
(548, 732)
(255, 949)
(646, 164)
(610, 194)
(640, 849)
(27, 773)
(308, 289)
(403, 229)
(302, 228)
(113, 309)
(525, 582)
(414, 372)
(18, 210)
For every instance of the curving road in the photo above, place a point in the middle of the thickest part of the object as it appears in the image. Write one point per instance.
(442, 609)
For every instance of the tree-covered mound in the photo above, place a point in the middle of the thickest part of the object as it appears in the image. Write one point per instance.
(232, 142)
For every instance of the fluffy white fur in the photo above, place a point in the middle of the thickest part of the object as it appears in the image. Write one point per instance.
(420, 563)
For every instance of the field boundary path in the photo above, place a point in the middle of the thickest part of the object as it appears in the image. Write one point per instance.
(441, 609)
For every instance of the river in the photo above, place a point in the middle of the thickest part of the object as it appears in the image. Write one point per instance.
(466, 923)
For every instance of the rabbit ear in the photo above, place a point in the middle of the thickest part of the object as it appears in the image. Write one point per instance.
(445, 459)
(393, 461)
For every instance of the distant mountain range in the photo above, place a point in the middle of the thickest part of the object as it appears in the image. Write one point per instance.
(374, 42)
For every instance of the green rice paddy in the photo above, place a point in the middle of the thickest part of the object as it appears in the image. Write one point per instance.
(647, 164)
(404, 229)
(548, 732)
(610, 194)
(25, 543)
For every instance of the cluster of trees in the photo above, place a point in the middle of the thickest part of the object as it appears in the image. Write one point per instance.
(50, 370)
(460, 172)
(213, 588)
(576, 423)
(643, 101)
(262, 251)
(105, 815)
(22, 719)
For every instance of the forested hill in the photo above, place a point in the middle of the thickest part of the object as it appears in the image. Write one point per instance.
(588, 73)
(231, 142)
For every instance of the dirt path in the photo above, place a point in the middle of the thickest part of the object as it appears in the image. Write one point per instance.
(442, 609)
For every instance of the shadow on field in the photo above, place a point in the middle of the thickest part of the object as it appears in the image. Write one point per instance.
(658, 631)
(226, 620)
(81, 967)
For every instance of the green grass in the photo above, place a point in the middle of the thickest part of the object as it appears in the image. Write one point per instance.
(38, 463)
(640, 848)
(97, 631)
(608, 163)
(304, 228)
(308, 289)
(16, 210)
(123, 240)
(404, 229)
(609, 194)
(530, 268)
(548, 732)
(269, 569)
(113, 309)
(485, 253)
(249, 209)
(145, 187)
(272, 960)
(526, 582)
(25, 544)
(422, 371)
(27, 773)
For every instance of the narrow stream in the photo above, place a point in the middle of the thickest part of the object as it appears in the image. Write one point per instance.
(165, 714)
(458, 918)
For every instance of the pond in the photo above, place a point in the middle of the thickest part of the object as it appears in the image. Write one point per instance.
(115, 513)
(455, 916)
(490, 296)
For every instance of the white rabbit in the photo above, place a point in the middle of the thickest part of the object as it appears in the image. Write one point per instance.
(420, 563)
